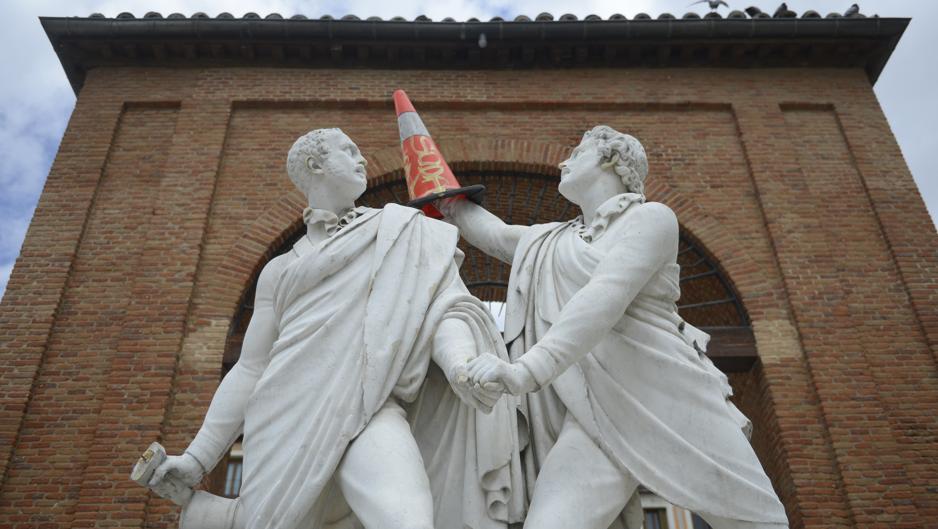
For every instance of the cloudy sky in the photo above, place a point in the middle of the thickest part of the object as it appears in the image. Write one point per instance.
(36, 100)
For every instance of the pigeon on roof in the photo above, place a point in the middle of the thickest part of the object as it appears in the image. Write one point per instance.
(784, 12)
(714, 4)
(852, 10)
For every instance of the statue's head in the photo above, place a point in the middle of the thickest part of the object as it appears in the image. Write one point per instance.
(604, 154)
(326, 162)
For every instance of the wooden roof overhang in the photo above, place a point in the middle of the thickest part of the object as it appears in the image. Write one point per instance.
(86, 43)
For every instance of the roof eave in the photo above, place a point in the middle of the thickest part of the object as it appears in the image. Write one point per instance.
(85, 43)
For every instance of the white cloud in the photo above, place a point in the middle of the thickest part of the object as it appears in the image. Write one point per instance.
(5, 270)
(35, 98)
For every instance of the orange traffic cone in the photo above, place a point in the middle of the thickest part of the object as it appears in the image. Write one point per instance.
(428, 176)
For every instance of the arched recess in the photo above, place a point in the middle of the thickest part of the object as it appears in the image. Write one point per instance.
(281, 221)
(521, 179)
(709, 300)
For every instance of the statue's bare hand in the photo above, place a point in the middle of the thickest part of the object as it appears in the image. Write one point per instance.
(476, 397)
(448, 206)
(186, 468)
(488, 371)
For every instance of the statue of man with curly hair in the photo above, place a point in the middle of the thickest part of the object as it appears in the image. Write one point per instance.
(617, 391)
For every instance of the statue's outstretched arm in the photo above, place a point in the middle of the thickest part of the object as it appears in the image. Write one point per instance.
(591, 313)
(225, 417)
(484, 230)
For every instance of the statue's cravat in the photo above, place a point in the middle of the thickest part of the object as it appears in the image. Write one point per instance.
(331, 222)
(608, 210)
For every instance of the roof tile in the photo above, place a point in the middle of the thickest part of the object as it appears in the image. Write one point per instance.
(543, 17)
(84, 50)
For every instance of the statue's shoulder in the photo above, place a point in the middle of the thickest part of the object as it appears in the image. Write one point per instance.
(274, 267)
(268, 279)
(396, 211)
(655, 211)
(652, 216)
(397, 214)
(442, 228)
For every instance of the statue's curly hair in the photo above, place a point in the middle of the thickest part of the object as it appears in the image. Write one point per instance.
(624, 154)
(312, 144)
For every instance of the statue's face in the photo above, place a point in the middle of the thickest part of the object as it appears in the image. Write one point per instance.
(343, 166)
(578, 172)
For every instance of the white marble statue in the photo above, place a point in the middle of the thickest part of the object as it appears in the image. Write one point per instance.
(346, 421)
(619, 392)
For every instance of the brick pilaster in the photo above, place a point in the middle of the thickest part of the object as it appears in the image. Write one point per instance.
(39, 278)
(906, 340)
(140, 381)
(810, 230)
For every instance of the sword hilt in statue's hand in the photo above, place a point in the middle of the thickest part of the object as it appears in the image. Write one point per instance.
(168, 485)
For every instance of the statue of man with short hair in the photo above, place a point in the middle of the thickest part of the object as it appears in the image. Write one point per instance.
(618, 389)
(334, 392)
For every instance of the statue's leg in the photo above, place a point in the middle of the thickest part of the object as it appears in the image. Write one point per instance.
(578, 487)
(208, 511)
(717, 522)
(382, 475)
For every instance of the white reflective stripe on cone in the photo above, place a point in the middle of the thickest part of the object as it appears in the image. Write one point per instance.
(410, 124)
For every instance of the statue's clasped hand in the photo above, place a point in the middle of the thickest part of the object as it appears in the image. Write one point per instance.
(476, 396)
(488, 372)
(186, 468)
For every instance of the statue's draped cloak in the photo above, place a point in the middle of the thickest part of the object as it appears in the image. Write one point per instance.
(357, 314)
(656, 406)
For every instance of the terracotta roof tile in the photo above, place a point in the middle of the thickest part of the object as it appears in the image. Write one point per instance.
(543, 17)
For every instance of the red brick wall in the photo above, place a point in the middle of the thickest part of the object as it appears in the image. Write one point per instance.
(169, 190)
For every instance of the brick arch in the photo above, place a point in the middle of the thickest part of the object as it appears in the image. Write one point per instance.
(726, 252)
(542, 157)
(282, 218)
(255, 246)
(271, 229)
(758, 296)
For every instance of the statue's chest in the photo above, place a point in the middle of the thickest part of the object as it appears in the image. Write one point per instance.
(610, 237)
